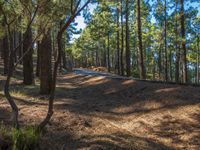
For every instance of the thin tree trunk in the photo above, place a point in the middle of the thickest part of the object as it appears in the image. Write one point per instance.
(165, 34)
(197, 73)
(38, 60)
(122, 40)
(141, 59)
(108, 55)
(118, 40)
(177, 49)
(184, 53)
(128, 67)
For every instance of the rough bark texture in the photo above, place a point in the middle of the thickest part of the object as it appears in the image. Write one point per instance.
(141, 59)
(122, 41)
(108, 53)
(176, 47)
(45, 50)
(166, 53)
(38, 60)
(128, 65)
(118, 41)
(184, 52)
(28, 60)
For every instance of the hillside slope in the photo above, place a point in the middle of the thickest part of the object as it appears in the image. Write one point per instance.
(94, 112)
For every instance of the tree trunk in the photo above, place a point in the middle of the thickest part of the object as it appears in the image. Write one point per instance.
(177, 75)
(184, 53)
(197, 73)
(45, 50)
(141, 59)
(28, 60)
(38, 60)
(122, 40)
(165, 32)
(118, 40)
(128, 67)
(20, 49)
(108, 55)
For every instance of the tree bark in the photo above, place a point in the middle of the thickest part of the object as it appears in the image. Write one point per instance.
(118, 40)
(165, 32)
(28, 60)
(177, 75)
(128, 65)
(45, 50)
(197, 73)
(38, 60)
(122, 40)
(108, 52)
(141, 59)
(184, 52)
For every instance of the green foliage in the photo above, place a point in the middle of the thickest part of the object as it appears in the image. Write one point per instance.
(25, 139)
(20, 139)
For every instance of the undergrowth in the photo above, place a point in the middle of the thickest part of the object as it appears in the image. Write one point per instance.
(25, 138)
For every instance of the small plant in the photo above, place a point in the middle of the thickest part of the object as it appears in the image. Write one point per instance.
(25, 139)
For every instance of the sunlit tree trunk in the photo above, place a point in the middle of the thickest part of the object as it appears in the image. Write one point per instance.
(184, 52)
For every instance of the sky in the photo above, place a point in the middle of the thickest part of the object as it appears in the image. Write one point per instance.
(82, 25)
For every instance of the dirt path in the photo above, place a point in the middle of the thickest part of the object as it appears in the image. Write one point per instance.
(95, 112)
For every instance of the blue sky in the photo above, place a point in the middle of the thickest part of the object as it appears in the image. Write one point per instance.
(82, 25)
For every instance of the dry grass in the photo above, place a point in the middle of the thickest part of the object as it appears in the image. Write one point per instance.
(99, 113)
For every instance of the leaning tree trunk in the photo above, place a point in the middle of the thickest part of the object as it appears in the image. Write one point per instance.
(45, 50)
(28, 60)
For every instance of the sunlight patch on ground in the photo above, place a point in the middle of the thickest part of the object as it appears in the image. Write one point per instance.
(167, 90)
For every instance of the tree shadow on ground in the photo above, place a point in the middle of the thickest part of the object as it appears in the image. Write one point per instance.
(111, 99)
(114, 141)
(185, 135)
(106, 96)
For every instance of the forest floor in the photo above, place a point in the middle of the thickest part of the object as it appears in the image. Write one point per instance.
(97, 113)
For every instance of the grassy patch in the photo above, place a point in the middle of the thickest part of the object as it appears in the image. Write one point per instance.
(23, 139)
